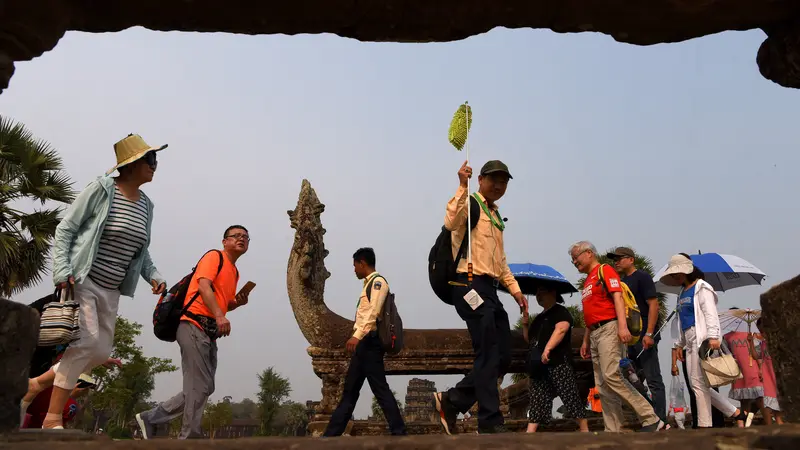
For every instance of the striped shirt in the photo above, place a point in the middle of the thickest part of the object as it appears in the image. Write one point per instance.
(124, 235)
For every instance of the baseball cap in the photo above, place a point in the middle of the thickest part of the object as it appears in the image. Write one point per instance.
(495, 166)
(621, 252)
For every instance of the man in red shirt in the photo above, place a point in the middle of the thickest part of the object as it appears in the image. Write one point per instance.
(606, 338)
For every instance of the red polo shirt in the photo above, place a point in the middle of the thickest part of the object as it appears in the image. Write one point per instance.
(598, 305)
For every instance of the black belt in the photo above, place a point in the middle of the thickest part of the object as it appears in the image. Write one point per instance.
(600, 324)
(485, 278)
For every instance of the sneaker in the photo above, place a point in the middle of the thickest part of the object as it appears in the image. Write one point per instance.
(493, 430)
(146, 429)
(447, 413)
(652, 428)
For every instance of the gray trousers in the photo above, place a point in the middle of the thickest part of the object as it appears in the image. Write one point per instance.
(199, 365)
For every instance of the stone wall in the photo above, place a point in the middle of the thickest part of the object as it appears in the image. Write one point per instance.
(780, 315)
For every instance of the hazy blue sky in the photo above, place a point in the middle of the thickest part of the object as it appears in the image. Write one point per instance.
(667, 148)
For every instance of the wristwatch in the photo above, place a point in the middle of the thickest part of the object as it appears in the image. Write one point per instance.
(649, 334)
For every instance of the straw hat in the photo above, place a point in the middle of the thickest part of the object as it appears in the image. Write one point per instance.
(131, 149)
(677, 264)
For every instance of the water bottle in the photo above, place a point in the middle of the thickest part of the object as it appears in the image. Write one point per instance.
(629, 372)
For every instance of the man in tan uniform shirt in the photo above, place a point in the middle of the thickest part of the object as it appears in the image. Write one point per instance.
(487, 323)
(367, 360)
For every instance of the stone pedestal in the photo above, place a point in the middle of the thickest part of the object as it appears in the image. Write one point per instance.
(780, 318)
(19, 333)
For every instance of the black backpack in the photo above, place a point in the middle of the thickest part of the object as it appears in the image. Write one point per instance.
(389, 323)
(441, 265)
(170, 307)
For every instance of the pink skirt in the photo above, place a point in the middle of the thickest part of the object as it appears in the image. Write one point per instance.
(749, 387)
(770, 383)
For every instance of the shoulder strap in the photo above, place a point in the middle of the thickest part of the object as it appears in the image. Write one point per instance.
(475, 216)
(194, 269)
(369, 285)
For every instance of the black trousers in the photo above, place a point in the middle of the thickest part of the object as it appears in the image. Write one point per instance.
(717, 418)
(491, 340)
(366, 364)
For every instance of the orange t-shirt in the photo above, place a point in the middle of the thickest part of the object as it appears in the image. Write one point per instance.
(598, 305)
(224, 285)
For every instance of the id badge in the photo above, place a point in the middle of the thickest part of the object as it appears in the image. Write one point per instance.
(473, 299)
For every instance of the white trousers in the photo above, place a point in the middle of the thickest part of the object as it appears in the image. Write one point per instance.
(704, 395)
(98, 317)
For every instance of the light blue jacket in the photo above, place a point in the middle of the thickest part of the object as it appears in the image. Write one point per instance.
(78, 237)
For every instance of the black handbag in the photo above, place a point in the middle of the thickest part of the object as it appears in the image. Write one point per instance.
(535, 366)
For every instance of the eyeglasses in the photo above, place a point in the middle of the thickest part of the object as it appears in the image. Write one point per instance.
(575, 259)
(239, 236)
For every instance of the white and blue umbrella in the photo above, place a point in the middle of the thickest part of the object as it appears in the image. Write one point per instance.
(531, 276)
(723, 272)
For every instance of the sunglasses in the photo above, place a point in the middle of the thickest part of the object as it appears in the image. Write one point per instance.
(151, 160)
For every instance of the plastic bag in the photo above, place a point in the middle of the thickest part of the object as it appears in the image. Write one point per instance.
(677, 401)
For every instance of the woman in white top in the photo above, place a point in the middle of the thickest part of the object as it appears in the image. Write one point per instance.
(698, 322)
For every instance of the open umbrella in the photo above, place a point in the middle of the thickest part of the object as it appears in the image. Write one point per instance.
(531, 276)
(723, 272)
(733, 318)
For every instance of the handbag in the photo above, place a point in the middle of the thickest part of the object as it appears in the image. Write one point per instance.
(719, 366)
(534, 364)
(59, 323)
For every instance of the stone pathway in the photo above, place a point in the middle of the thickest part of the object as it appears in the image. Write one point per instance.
(785, 437)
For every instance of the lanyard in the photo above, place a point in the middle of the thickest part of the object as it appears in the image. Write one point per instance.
(499, 224)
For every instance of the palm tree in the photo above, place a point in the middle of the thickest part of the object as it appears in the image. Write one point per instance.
(577, 322)
(29, 170)
(644, 264)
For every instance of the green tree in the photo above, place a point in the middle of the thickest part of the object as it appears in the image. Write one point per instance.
(642, 263)
(577, 322)
(273, 391)
(123, 392)
(216, 416)
(30, 170)
(246, 409)
(291, 419)
(377, 412)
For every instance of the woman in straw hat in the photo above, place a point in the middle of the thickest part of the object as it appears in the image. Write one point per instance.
(100, 251)
(698, 322)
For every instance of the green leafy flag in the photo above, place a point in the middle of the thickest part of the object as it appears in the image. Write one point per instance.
(459, 126)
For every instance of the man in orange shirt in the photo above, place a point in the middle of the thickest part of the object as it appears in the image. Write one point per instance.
(605, 340)
(211, 295)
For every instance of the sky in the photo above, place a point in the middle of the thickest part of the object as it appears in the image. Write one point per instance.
(667, 148)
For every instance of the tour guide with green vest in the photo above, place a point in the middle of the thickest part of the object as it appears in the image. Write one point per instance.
(442, 265)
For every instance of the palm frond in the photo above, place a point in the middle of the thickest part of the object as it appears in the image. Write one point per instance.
(29, 169)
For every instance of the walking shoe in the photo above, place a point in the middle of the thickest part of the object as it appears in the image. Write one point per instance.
(447, 413)
(652, 428)
(493, 429)
(146, 429)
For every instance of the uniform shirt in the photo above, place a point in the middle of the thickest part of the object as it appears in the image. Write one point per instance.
(598, 302)
(368, 309)
(488, 254)
(224, 285)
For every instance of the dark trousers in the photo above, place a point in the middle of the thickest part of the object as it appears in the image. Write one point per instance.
(491, 340)
(651, 369)
(366, 364)
(717, 418)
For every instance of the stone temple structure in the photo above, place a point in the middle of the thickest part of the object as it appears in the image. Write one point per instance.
(418, 407)
(29, 28)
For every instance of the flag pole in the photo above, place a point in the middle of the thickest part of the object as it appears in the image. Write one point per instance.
(469, 205)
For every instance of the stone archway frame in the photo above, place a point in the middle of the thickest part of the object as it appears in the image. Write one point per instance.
(29, 28)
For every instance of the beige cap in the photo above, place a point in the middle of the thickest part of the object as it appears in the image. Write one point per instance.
(677, 264)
